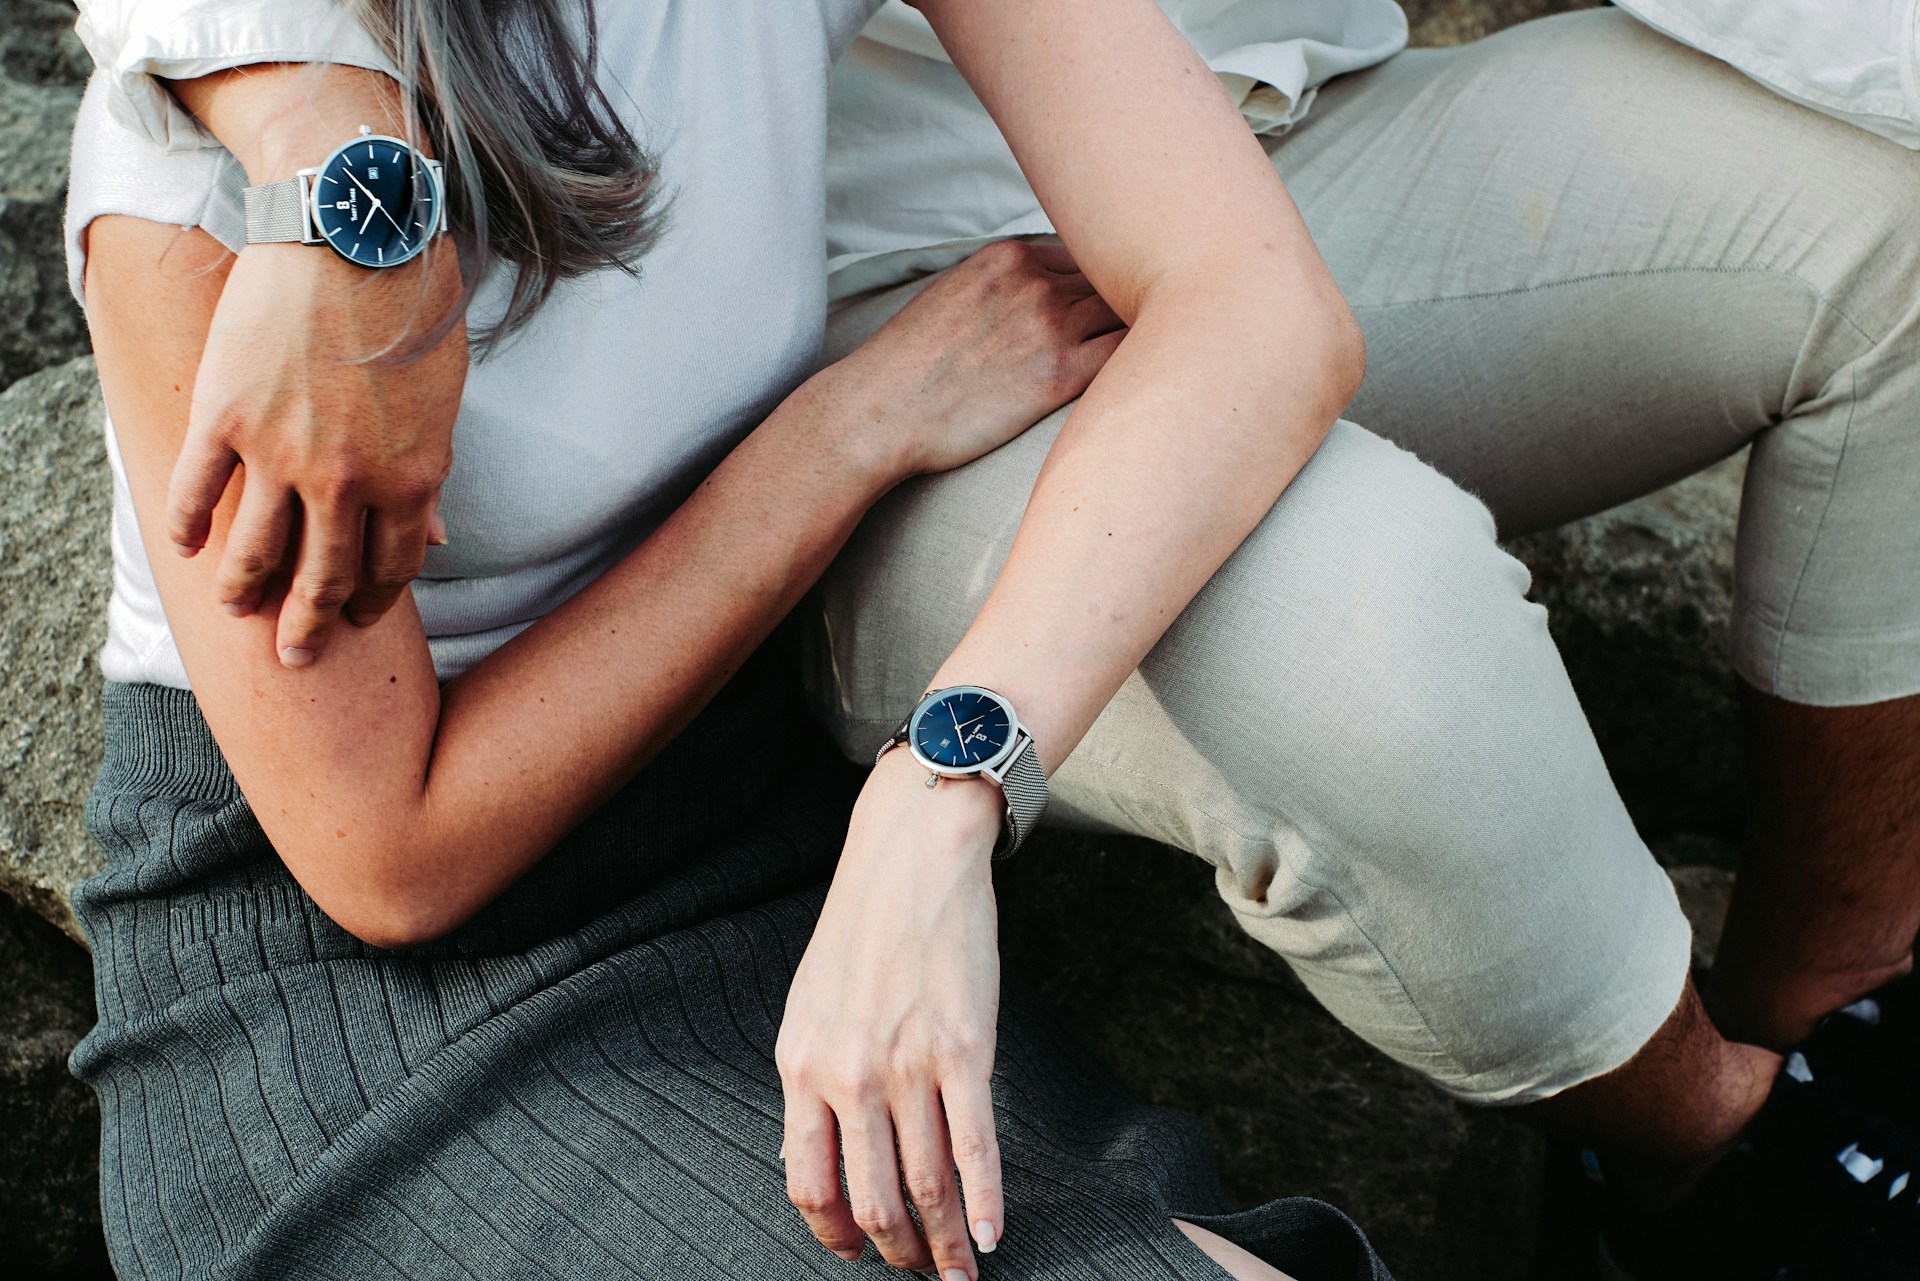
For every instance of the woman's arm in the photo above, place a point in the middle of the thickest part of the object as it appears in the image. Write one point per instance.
(1240, 356)
(403, 807)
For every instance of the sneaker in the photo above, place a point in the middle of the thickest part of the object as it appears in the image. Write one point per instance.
(1874, 1046)
(1824, 1188)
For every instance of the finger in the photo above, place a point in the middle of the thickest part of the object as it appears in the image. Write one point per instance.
(812, 1152)
(437, 526)
(1085, 361)
(323, 581)
(395, 547)
(873, 1186)
(200, 477)
(256, 544)
(976, 1150)
(1092, 316)
(1053, 257)
(926, 1166)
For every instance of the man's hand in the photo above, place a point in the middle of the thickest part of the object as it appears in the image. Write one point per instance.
(888, 1037)
(291, 391)
(342, 452)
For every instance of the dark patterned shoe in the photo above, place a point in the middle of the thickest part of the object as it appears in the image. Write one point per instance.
(1826, 1187)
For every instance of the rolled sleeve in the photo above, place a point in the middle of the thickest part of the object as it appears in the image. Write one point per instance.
(138, 43)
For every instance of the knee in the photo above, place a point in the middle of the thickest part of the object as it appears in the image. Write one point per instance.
(1386, 586)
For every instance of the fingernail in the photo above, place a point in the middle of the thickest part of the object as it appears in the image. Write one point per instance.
(851, 1256)
(984, 1237)
(292, 657)
(953, 1274)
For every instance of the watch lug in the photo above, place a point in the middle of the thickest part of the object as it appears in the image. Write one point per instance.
(305, 178)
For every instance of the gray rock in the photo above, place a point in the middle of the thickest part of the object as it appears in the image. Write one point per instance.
(54, 577)
(49, 1124)
(1639, 600)
(1450, 22)
(1150, 967)
(42, 69)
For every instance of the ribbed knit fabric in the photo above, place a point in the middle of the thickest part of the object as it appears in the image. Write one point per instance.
(577, 1084)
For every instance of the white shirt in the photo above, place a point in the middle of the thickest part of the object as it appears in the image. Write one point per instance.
(1858, 60)
(918, 175)
(579, 436)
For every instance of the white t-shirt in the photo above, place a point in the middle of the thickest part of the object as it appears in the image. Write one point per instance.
(1858, 60)
(918, 175)
(579, 436)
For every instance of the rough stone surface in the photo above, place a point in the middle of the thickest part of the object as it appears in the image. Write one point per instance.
(54, 575)
(42, 69)
(1449, 22)
(1148, 964)
(49, 1125)
(1639, 599)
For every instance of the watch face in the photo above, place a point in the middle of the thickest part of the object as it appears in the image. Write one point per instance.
(963, 727)
(374, 202)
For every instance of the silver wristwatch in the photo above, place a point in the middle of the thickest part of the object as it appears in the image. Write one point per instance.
(965, 730)
(376, 201)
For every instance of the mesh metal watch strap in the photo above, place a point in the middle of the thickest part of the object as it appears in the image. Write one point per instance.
(275, 212)
(1025, 786)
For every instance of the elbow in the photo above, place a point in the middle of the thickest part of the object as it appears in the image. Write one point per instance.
(1346, 360)
(391, 926)
(1335, 361)
(383, 899)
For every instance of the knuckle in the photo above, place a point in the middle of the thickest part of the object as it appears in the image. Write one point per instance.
(334, 485)
(245, 566)
(322, 595)
(970, 1147)
(878, 1220)
(812, 1198)
(856, 1081)
(1002, 254)
(930, 1190)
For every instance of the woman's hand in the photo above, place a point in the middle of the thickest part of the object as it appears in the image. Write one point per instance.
(992, 346)
(344, 452)
(888, 1037)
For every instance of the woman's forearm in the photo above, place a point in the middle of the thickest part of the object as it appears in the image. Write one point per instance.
(1212, 405)
(514, 753)
(402, 807)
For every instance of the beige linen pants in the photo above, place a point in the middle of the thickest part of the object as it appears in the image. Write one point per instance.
(1588, 262)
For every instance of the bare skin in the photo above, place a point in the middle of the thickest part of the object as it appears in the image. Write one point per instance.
(403, 806)
(1828, 900)
(352, 448)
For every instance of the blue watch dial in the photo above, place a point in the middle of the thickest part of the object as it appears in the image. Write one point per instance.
(374, 202)
(965, 727)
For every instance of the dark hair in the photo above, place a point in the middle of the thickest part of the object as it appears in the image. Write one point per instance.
(541, 172)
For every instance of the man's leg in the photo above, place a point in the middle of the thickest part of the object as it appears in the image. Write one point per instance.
(1362, 724)
(1589, 260)
(1828, 900)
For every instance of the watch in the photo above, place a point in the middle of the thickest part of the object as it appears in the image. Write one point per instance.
(965, 730)
(376, 201)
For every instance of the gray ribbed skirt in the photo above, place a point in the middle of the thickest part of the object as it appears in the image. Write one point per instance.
(579, 1083)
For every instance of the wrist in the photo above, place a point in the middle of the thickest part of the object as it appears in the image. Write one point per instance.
(844, 412)
(968, 812)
